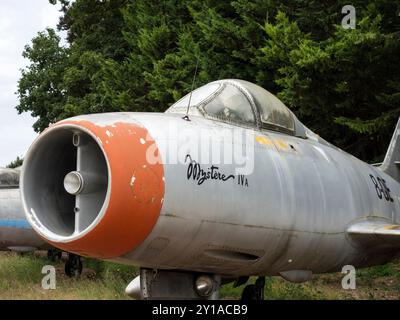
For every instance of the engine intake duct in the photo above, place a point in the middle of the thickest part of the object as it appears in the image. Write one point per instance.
(65, 181)
(88, 187)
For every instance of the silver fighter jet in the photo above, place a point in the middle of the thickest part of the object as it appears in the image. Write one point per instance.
(226, 184)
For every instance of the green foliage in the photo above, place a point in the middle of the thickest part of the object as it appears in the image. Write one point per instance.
(15, 163)
(21, 278)
(104, 269)
(17, 270)
(141, 55)
(378, 271)
(41, 87)
(345, 86)
(277, 289)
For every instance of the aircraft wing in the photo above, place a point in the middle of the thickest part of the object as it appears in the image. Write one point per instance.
(378, 232)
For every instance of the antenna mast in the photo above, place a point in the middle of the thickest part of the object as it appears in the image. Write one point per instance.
(186, 117)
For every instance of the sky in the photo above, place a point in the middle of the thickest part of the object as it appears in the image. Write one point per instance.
(20, 21)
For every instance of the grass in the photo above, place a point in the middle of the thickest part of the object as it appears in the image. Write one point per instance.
(20, 278)
(377, 283)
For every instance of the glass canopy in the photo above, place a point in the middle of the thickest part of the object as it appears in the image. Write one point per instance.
(237, 101)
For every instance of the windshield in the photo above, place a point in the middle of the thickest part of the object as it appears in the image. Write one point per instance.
(230, 105)
(196, 98)
(273, 112)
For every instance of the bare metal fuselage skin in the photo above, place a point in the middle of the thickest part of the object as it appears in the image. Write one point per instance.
(291, 213)
(15, 232)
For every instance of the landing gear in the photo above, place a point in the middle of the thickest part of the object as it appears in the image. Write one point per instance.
(54, 255)
(73, 266)
(254, 291)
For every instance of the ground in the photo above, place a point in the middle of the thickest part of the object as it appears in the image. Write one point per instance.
(21, 277)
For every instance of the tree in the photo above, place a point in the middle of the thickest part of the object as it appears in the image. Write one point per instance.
(16, 163)
(141, 55)
(346, 87)
(40, 89)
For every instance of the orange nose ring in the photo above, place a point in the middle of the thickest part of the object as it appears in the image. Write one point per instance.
(136, 191)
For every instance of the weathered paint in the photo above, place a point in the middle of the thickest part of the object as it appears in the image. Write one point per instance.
(132, 209)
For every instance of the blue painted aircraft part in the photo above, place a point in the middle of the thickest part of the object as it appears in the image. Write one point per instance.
(18, 224)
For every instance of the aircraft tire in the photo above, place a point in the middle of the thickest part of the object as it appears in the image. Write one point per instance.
(73, 266)
(249, 293)
(254, 291)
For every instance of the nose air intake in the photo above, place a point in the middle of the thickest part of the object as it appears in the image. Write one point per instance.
(54, 182)
(89, 189)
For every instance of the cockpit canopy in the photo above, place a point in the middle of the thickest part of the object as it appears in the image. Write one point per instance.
(238, 102)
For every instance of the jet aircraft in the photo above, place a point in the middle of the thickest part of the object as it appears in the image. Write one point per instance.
(226, 184)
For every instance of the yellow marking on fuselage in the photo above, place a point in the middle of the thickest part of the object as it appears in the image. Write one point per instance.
(282, 144)
(393, 227)
(264, 140)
